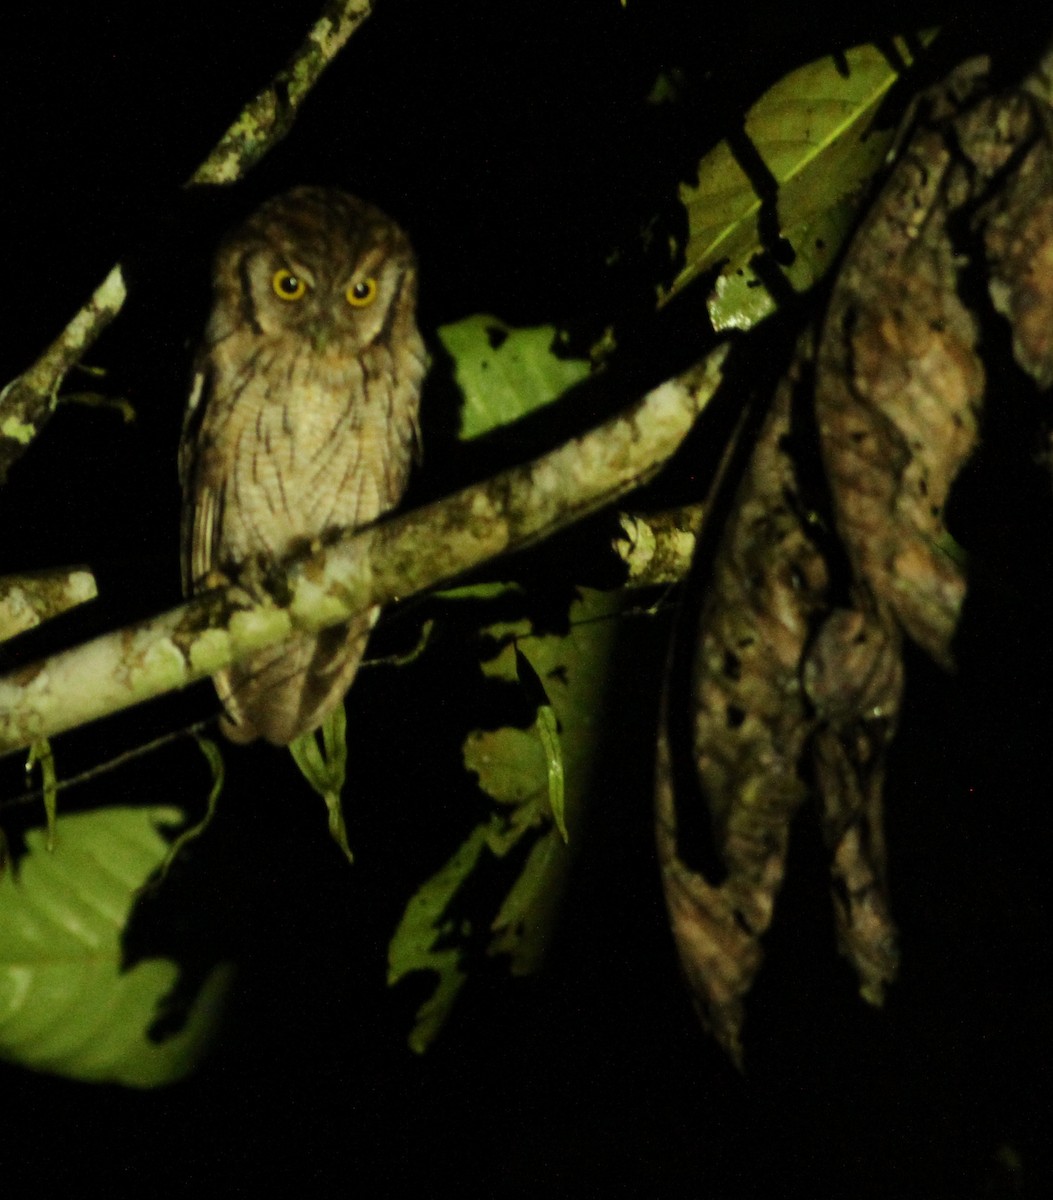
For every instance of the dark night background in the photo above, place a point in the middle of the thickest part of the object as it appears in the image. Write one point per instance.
(512, 142)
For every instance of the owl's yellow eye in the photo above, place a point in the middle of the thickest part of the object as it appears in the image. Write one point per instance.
(362, 292)
(288, 286)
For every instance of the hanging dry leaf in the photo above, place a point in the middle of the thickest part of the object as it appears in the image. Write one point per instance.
(780, 670)
(1017, 228)
(854, 677)
(898, 392)
(900, 380)
(750, 727)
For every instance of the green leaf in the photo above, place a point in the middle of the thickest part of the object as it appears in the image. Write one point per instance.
(325, 769)
(547, 728)
(505, 373)
(815, 132)
(537, 780)
(66, 1004)
(564, 673)
(425, 940)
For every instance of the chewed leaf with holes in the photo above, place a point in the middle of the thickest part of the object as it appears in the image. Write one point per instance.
(67, 1005)
(815, 135)
(751, 724)
(537, 780)
(505, 373)
(529, 777)
(899, 389)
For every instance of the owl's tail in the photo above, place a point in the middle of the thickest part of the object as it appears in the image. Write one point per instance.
(288, 690)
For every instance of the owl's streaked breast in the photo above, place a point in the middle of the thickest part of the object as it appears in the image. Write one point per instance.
(328, 452)
(302, 421)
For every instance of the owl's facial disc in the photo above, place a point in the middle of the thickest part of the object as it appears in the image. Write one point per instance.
(333, 297)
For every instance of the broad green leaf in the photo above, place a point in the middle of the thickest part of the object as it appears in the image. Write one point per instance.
(325, 769)
(510, 764)
(520, 770)
(514, 765)
(814, 131)
(66, 1004)
(505, 373)
(426, 940)
(533, 896)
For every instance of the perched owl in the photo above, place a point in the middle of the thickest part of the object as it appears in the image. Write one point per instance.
(302, 420)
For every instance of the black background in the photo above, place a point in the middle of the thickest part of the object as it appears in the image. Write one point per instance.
(512, 142)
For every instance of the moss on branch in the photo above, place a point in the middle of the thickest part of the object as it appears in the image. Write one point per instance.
(395, 559)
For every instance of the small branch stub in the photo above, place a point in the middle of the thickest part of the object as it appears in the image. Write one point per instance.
(29, 600)
(28, 401)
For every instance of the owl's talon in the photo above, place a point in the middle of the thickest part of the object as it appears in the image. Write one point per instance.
(212, 581)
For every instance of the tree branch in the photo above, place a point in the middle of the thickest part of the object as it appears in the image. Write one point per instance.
(31, 599)
(27, 402)
(265, 120)
(658, 548)
(373, 566)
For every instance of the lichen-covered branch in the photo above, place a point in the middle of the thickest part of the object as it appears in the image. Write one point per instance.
(28, 401)
(658, 548)
(383, 563)
(31, 599)
(267, 118)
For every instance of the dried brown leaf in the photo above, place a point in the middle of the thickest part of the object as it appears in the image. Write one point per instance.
(900, 380)
(854, 677)
(719, 955)
(1018, 237)
(751, 725)
(794, 658)
(898, 393)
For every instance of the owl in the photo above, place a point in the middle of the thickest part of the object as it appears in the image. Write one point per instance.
(302, 421)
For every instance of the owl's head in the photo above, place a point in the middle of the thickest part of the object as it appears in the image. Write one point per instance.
(318, 263)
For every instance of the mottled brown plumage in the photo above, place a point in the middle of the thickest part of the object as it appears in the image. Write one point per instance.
(302, 420)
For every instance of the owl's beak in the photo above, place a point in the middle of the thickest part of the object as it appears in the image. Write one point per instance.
(319, 334)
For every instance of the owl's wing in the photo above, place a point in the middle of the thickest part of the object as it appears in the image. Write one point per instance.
(202, 492)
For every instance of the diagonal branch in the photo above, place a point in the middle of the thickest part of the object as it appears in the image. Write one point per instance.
(386, 562)
(266, 119)
(27, 402)
(30, 599)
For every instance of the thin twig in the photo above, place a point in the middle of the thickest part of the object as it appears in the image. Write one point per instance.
(111, 764)
(30, 599)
